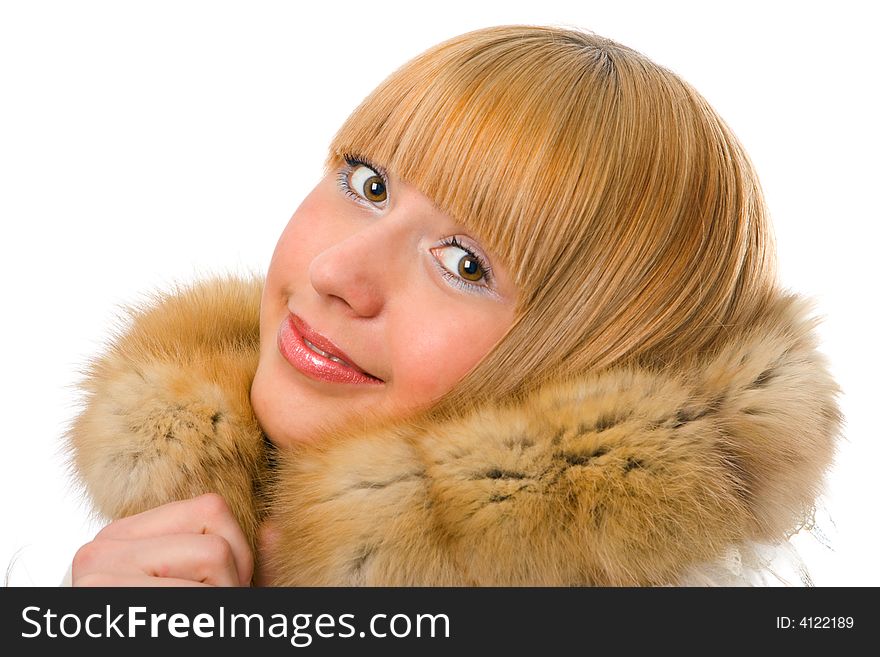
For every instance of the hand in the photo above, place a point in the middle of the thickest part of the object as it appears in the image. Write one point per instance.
(195, 542)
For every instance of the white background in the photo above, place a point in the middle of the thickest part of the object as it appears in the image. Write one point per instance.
(147, 143)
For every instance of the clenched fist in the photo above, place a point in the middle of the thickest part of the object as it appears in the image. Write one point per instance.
(194, 542)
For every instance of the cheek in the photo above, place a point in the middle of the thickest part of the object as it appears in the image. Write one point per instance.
(435, 352)
(295, 249)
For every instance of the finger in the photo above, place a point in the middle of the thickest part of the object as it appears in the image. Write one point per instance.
(205, 558)
(205, 514)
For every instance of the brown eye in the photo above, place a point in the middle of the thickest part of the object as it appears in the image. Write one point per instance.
(374, 189)
(469, 268)
(368, 184)
(463, 267)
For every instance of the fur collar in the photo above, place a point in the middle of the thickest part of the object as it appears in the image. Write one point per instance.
(621, 477)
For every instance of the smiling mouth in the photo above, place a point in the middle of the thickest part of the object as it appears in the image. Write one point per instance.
(335, 358)
(314, 361)
(328, 355)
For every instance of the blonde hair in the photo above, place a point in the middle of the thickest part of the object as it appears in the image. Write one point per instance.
(626, 211)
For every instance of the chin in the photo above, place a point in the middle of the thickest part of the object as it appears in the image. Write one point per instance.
(283, 412)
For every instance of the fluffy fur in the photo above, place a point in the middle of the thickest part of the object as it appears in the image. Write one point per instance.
(621, 477)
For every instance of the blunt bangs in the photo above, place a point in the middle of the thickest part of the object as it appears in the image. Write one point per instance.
(485, 130)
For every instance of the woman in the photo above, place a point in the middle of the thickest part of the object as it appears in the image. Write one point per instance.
(526, 330)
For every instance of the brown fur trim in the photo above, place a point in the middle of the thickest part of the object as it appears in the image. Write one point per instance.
(167, 407)
(623, 477)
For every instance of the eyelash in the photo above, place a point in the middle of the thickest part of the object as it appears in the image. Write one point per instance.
(460, 282)
(352, 162)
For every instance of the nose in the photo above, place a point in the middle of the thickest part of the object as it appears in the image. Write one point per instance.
(357, 270)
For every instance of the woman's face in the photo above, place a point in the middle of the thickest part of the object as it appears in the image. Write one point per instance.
(372, 273)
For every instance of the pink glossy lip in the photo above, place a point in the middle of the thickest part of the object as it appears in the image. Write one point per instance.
(290, 343)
